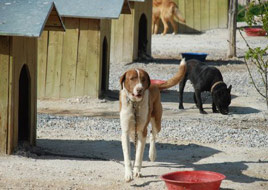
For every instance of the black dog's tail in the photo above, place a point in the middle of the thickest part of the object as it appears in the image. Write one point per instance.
(176, 79)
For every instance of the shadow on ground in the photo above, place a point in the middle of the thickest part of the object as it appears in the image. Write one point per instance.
(243, 110)
(223, 62)
(168, 155)
(176, 61)
(167, 96)
(173, 96)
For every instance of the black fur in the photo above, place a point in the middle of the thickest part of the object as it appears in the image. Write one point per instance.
(203, 77)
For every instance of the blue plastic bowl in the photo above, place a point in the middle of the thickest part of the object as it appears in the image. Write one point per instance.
(198, 56)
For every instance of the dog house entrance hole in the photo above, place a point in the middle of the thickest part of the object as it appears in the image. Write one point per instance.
(104, 66)
(24, 105)
(142, 46)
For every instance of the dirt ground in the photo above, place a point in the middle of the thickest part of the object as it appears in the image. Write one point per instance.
(246, 168)
(96, 162)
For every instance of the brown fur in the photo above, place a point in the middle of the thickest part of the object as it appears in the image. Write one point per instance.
(166, 10)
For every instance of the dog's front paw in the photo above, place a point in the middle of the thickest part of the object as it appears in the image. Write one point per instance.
(137, 172)
(128, 176)
(181, 107)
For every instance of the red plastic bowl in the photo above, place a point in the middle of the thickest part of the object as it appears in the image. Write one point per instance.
(255, 31)
(193, 180)
(154, 81)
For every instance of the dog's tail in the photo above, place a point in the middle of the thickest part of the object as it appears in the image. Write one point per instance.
(176, 79)
(177, 14)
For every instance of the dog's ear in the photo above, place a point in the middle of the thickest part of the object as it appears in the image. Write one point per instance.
(230, 88)
(122, 79)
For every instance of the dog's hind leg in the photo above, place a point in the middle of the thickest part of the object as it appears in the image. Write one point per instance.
(156, 26)
(153, 25)
(165, 26)
(181, 89)
(199, 101)
(174, 26)
(156, 126)
(139, 154)
(195, 100)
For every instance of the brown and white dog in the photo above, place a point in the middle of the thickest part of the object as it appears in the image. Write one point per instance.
(140, 103)
(166, 10)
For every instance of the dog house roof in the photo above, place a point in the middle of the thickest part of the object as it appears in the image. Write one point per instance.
(24, 17)
(138, 0)
(100, 9)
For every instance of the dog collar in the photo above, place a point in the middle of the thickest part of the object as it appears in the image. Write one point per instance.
(215, 84)
(134, 104)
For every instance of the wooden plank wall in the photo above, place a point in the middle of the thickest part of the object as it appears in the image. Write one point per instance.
(81, 68)
(42, 66)
(201, 15)
(11, 100)
(69, 57)
(93, 59)
(68, 62)
(4, 91)
(53, 64)
(122, 36)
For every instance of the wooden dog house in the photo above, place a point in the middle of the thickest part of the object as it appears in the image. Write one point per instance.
(132, 33)
(76, 62)
(21, 23)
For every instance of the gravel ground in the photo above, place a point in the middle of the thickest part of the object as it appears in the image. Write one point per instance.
(69, 133)
(205, 130)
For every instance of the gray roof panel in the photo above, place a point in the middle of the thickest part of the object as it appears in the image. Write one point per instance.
(137, 0)
(100, 9)
(24, 17)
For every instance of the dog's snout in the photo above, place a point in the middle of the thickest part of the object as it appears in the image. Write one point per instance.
(139, 90)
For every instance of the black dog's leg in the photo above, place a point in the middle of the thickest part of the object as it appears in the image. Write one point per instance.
(214, 109)
(195, 101)
(182, 85)
(199, 102)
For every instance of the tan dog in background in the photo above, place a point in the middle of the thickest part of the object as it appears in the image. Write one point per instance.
(167, 11)
(140, 103)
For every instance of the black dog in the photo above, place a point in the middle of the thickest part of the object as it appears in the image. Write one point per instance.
(206, 78)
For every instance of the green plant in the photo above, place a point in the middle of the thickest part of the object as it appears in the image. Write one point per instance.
(251, 10)
(261, 10)
(256, 56)
(241, 13)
